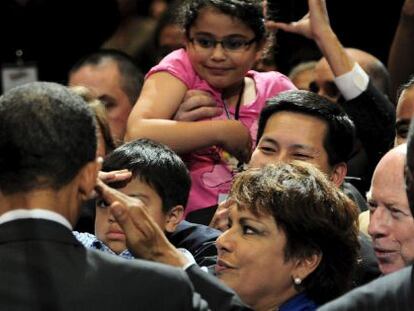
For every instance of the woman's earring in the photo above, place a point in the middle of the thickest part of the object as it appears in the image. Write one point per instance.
(297, 281)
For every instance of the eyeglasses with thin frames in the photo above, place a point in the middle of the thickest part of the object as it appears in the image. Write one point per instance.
(230, 44)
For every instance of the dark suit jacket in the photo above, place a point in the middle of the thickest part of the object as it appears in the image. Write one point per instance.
(218, 296)
(43, 267)
(374, 118)
(199, 240)
(394, 292)
(367, 268)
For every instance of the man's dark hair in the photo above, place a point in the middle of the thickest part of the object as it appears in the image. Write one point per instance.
(47, 134)
(315, 216)
(340, 136)
(156, 165)
(132, 78)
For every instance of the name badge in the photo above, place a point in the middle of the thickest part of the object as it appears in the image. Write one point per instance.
(13, 75)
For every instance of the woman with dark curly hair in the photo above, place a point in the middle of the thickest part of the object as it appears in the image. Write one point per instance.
(292, 243)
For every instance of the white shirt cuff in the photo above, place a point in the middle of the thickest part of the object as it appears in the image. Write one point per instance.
(190, 260)
(188, 256)
(352, 83)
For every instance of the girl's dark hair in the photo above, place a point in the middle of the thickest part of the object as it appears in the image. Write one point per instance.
(248, 11)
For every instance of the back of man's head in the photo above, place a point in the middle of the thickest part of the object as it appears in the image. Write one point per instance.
(47, 134)
(374, 68)
(340, 137)
(132, 78)
(156, 165)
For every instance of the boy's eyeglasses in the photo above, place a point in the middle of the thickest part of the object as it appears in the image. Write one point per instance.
(228, 44)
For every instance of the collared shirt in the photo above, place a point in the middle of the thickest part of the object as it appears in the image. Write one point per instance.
(91, 241)
(36, 213)
(299, 302)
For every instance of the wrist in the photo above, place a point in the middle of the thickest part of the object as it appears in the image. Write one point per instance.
(325, 38)
(174, 258)
(222, 130)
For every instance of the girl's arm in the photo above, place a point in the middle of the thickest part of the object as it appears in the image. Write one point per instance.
(151, 116)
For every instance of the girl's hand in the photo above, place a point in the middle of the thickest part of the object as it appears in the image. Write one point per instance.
(312, 26)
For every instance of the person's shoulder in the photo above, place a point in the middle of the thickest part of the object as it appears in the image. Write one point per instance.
(267, 75)
(176, 61)
(112, 264)
(140, 283)
(178, 64)
(189, 228)
(390, 292)
(179, 55)
(198, 239)
(271, 82)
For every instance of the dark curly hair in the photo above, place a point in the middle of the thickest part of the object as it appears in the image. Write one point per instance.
(248, 11)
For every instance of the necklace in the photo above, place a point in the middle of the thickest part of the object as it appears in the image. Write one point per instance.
(238, 104)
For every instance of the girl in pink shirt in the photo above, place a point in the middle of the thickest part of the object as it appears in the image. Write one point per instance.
(224, 38)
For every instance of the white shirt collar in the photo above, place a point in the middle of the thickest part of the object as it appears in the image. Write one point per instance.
(34, 213)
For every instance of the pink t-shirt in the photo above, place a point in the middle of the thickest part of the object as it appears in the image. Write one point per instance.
(212, 169)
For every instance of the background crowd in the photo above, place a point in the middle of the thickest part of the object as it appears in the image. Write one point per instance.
(247, 157)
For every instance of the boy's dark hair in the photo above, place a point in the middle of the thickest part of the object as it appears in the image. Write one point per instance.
(340, 136)
(250, 12)
(155, 164)
(47, 134)
(132, 78)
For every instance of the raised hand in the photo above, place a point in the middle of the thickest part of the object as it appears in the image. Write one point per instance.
(312, 26)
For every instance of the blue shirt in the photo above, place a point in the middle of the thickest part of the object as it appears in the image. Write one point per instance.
(91, 241)
(299, 303)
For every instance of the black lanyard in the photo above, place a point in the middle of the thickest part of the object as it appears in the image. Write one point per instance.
(237, 110)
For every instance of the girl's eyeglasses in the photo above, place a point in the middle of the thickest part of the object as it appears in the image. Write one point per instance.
(230, 44)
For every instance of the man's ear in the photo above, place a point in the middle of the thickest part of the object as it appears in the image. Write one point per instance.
(87, 178)
(338, 173)
(173, 218)
(305, 266)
